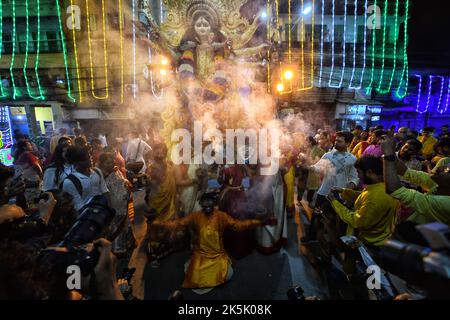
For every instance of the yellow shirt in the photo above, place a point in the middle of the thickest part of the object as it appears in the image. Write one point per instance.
(209, 261)
(427, 207)
(444, 162)
(374, 216)
(428, 145)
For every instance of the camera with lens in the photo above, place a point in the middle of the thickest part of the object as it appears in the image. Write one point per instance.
(138, 180)
(78, 256)
(93, 221)
(425, 267)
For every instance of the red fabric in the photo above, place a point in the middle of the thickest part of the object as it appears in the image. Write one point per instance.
(28, 158)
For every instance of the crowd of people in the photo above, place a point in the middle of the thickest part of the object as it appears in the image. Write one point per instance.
(374, 180)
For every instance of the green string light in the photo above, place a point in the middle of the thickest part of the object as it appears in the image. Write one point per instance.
(3, 94)
(396, 31)
(405, 58)
(13, 48)
(41, 96)
(63, 43)
(383, 55)
(374, 38)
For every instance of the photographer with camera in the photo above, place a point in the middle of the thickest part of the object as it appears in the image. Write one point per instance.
(85, 182)
(429, 207)
(374, 215)
(98, 268)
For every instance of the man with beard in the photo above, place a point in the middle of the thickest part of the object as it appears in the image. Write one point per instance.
(408, 154)
(374, 215)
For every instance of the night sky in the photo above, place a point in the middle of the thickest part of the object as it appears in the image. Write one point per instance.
(429, 43)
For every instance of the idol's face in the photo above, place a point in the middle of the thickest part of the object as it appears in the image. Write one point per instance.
(202, 27)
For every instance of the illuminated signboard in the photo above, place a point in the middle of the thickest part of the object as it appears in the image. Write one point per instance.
(356, 110)
(374, 110)
(6, 157)
(376, 118)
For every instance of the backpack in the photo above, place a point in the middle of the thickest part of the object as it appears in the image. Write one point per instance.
(76, 182)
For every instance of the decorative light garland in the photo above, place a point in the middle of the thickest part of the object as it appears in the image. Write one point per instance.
(289, 32)
(365, 49)
(430, 84)
(41, 95)
(343, 51)
(133, 2)
(63, 44)
(3, 94)
(383, 55)
(405, 72)
(268, 17)
(75, 53)
(13, 48)
(122, 79)
(448, 96)
(355, 41)
(441, 93)
(332, 41)
(322, 43)
(105, 54)
(312, 46)
(302, 39)
(419, 94)
(396, 31)
(374, 38)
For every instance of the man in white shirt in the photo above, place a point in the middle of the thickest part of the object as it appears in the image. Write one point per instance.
(337, 167)
(137, 149)
(85, 182)
(338, 170)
